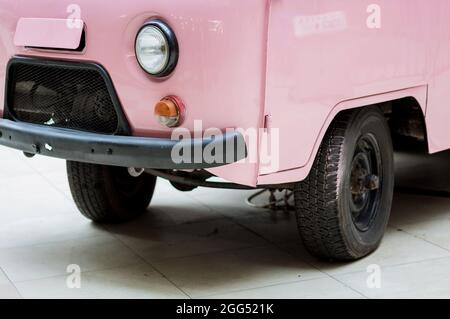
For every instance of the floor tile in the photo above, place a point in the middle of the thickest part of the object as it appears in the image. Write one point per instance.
(7, 289)
(413, 209)
(46, 229)
(229, 202)
(209, 242)
(46, 260)
(170, 208)
(322, 288)
(12, 164)
(45, 165)
(397, 248)
(436, 232)
(133, 282)
(274, 226)
(422, 170)
(428, 279)
(185, 240)
(31, 196)
(237, 270)
(59, 181)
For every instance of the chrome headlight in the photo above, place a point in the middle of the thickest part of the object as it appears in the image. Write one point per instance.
(157, 48)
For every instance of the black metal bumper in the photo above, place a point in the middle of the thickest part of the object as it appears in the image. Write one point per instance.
(116, 150)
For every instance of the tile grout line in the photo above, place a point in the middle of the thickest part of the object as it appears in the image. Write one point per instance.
(283, 250)
(50, 183)
(45, 178)
(329, 276)
(63, 274)
(271, 243)
(82, 272)
(348, 286)
(142, 260)
(53, 242)
(266, 286)
(400, 229)
(210, 209)
(11, 282)
(394, 265)
(224, 251)
(232, 220)
(152, 266)
(305, 261)
(286, 283)
(223, 217)
(388, 267)
(324, 272)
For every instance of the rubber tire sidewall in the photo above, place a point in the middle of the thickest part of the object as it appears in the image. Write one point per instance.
(367, 121)
(96, 195)
(125, 206)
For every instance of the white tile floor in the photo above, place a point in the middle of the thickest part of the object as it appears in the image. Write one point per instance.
(207, 244)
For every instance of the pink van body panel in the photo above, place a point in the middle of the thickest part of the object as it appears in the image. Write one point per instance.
(298, 174)
(298, 63)
(220, 74)
(321, 53)
(48, 33)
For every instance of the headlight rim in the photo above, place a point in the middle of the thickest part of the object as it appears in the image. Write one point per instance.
(172, 42)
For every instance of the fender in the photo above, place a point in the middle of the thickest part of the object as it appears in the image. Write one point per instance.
(420, 93)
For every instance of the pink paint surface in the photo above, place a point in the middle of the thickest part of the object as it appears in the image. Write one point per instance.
(300, 62)
(48, 33)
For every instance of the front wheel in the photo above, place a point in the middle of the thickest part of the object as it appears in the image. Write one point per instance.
(107, 194)
(343, 207)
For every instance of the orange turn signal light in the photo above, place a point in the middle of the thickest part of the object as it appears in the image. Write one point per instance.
(169, 111)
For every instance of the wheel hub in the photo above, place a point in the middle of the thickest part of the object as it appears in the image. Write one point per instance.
(365, 182)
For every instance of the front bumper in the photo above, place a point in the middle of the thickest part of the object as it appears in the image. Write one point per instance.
(116, 150)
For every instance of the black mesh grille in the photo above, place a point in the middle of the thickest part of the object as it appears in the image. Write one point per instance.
(61, 96)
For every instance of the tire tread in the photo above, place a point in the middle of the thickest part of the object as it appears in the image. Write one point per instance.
(316, 198)
(90, 193)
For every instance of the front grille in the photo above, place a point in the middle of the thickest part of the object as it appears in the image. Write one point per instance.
(66, 95)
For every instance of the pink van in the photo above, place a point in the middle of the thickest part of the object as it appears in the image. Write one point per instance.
(303, 95)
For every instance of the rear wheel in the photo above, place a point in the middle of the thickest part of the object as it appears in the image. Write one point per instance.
(343, 207)
(107, 194)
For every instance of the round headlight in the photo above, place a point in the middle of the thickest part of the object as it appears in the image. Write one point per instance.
(157, 48)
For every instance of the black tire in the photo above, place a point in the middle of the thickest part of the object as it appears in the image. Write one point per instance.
(106, 194)
(343, 214)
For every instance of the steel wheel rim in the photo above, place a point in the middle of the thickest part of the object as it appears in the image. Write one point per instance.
(366, 180)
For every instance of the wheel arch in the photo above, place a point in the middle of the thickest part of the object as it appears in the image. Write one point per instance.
(418, 95)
